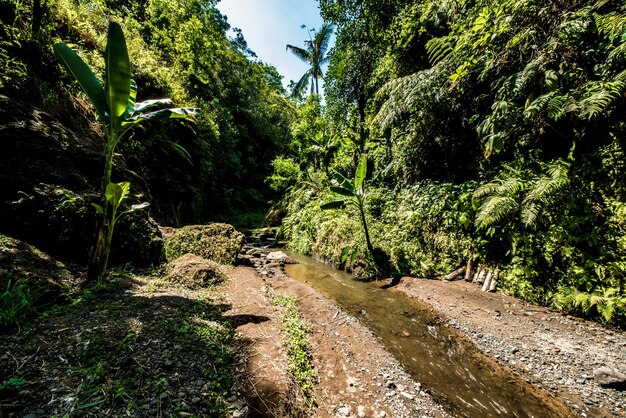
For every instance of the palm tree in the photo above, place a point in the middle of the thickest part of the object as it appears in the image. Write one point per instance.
(314, 54)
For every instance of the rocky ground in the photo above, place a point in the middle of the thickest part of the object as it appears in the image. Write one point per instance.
(196, 339)
(569, 357)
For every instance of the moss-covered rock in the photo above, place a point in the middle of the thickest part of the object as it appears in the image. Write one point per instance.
(217, 242)
(194, 272)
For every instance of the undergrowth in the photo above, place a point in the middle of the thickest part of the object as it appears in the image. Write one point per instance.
(16, 302)
(298, 348)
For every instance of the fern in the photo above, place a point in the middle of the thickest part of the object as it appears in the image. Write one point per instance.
(438, 49)
(544, 190)
(494, 210)
(599, 96)
(605, 303)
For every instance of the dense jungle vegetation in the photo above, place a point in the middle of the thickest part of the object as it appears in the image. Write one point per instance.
(490, 129)
(214, 167)
(494, 129)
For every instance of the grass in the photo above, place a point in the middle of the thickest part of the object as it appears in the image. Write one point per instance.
(123, 351)
(298, 348)
(16, 303)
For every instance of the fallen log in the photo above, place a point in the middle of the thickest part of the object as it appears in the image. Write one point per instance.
(455, 274)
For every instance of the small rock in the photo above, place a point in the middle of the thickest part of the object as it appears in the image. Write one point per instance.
(407, 395)
(360, 411)
(343, 411)
(608, 378)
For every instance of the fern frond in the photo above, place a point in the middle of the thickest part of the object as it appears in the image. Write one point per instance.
(407, 93)
(486, 189)
(535, 107)
(512, 185)
(599, 96)
(494, 210)
(543, 191)
(558, 105)
(438, 49)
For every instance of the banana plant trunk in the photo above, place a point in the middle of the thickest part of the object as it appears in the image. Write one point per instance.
(370, 249)
(100, 255)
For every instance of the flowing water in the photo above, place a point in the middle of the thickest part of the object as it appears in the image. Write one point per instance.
(462, 379)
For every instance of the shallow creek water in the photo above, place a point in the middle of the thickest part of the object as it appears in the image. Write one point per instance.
(461, 378)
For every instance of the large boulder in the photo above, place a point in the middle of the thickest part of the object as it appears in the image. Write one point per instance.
(50, 176)
(217, 242)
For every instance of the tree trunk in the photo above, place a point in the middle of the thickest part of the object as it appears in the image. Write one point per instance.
(468, 270)
(367, 234)
(100, 254)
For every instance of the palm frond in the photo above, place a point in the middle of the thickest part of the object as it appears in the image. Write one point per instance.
(322, 38)
(300, 87)
(301, 53)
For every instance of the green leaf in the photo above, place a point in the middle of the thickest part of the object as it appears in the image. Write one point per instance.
(117, 84)
(85, 77)
(132, 99)
(98, 208)
(342, 181)
(342, 191)
(336, 204)
(176, 113)
(116, 193)
(361, 172)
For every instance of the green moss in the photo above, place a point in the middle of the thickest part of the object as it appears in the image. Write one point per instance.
(194, 272)
(217, 242)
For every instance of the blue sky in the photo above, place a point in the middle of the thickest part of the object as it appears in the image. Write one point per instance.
(269, 25)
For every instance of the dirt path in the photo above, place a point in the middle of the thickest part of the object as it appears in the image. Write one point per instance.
(548, 348)
(263, 370)
(356, 377)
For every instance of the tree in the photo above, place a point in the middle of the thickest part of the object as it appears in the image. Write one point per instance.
(118, 112)
(315, 56)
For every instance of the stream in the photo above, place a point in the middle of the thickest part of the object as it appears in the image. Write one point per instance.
(462, 379)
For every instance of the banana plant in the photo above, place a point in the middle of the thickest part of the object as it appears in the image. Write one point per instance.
(353, 191)
(118, 112)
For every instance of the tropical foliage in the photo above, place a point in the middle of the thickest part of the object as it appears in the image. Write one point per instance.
(494, 129)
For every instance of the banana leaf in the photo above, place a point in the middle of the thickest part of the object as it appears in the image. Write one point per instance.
(336, 204)
(85, 77)
(342, 191)
(117, 68)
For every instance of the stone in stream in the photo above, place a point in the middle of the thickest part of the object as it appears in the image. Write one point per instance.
(280, 257)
